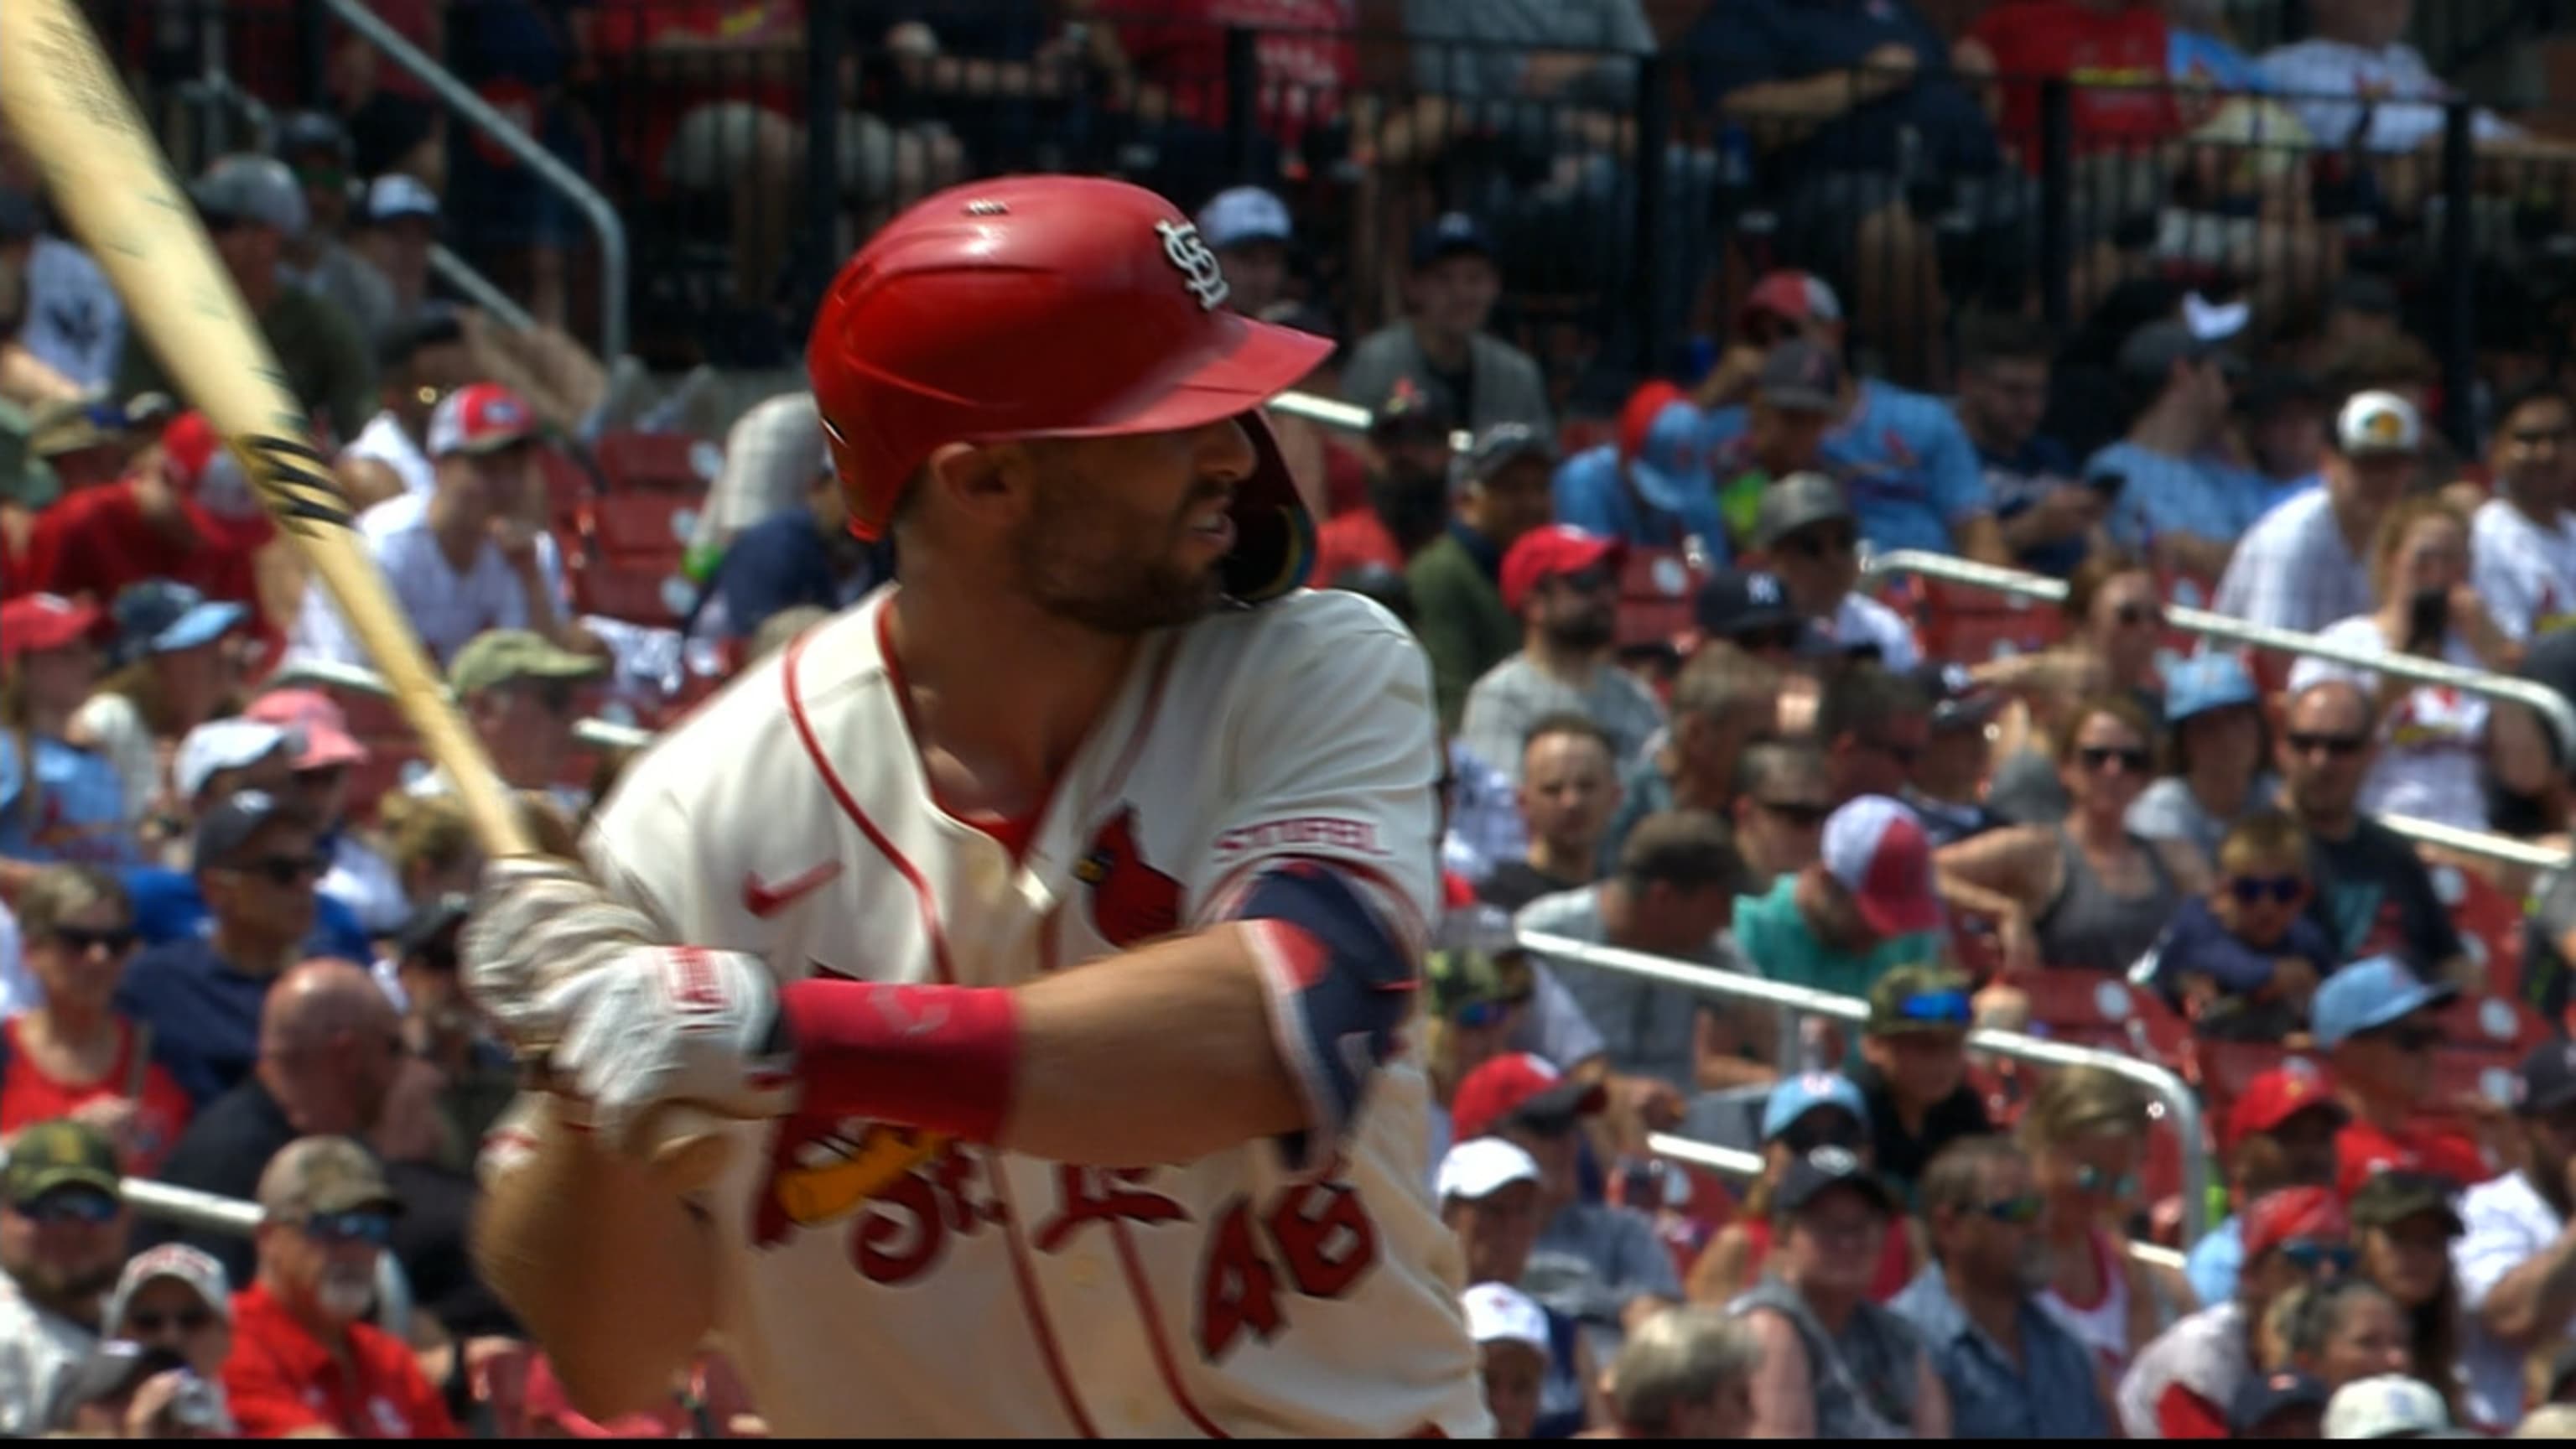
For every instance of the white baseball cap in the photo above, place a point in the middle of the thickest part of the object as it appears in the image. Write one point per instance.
(223, 744)
(1501, 1313)
(392, 196)
(1483, 1166)
(1244, 214)
(1877, 850)
(2378, 423)
(192, 1266)
(2385, 1407)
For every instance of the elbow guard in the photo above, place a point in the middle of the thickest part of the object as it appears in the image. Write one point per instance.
(1341, 988)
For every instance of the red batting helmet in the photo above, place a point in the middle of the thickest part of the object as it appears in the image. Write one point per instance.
(1051, 307)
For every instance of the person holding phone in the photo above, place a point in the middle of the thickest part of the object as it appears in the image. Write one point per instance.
(2432, 735)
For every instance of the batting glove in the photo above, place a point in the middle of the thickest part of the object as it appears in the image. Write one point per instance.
(666, 1025)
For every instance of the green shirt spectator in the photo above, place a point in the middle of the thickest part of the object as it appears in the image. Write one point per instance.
(1504, 491)
(1863, 910)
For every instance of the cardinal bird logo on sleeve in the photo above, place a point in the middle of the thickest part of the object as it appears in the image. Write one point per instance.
(1131, 902)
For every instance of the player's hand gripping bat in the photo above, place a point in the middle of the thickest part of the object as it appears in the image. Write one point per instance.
(109, 181)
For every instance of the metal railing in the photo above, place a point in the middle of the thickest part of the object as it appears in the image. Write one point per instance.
(1793, 1002)
(522, 147)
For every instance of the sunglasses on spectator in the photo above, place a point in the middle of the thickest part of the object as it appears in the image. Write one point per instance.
(186, 1320)
(1487, 1013)
(2310, 1254)
(1588, 581)
(2408, 1036)
(287, 870)
(2253, 890)
(2089, 1178)
(1804, 814)
(1820, 543)
(2020, 1211)
(1940, 1008)
(2127, 757)
(72, 1205)
(80, 940)
(372, 1228)
(1820, 1129)
(2305, 743)
(2130, 616)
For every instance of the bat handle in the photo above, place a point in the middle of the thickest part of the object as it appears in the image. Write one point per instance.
(685, 1147)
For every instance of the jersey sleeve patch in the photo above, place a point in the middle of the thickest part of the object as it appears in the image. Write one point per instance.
(1341, 988)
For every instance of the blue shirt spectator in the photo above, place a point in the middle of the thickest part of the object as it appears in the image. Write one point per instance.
(168, 907)
(785, 561)
(1905, 463)
(78, 810)
(2213, 1263)
(1744, 44)
(2164, 494)
(1653, 487)
(2050, 1392)
(203, 1005)
(2018, 480)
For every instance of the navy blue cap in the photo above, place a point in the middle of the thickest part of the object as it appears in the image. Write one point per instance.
(2264, 1395)
(1454, 234)
(230, 824)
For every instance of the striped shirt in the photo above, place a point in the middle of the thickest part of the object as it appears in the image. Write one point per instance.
(2525, 573)
(2294, 570)
(2339, 88)
(445, 607)
(1515, 695)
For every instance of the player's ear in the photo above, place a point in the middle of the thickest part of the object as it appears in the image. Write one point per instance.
(988, 484)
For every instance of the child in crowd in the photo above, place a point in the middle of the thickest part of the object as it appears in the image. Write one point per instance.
(2242, 963)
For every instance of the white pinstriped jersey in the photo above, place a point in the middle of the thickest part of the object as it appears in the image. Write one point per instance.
(994, 1293)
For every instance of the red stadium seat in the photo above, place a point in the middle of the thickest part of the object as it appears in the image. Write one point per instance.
(2490, 924)
(669, 462)
(640, 528)
(1975, 625)
(2492, 1024)
(567, 485)
(2093, 1009)
(638, 596)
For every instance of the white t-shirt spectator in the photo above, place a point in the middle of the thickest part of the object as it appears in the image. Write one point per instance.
(2429, 742)
(2525, 573)
(445, 607)
(2508, 1224)
(1860, 619)
(2312, 74)
(364, 881)
(385, 440)
(2293, 570)
(38, 1347)
(75, 322)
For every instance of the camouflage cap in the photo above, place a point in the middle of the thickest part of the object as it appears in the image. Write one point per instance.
(1475, 961)
(74, 424)
(25, 479)
(505, 656)
(323, 1175)
(1926, 997)
(58, 1154)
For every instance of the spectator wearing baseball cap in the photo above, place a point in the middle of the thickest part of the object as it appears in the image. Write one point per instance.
(1864, 909)
(2216, 774)
(62, 1211)
(175, 1298)
(1407, 487)
(318, 149)
(1802, 1113)
(1830, 1215)
(184, 514)
(307, 1358)
(1797, 394)
(2177, 502)
(522, 693)
(83, 440)
(2283, 1405)
(2516, 1261)
(2306, 564)
(1947, 791)
(1249, 230)
(1981, 1213)
(2084, 893)
(1675, 883)
(1751, 610)
(2280, 1133)
(1443, 345)
(2389, 1406)
(326, 755)
(58, 800)
(1487, 997)
(1599, 1264)
(1913, 1070)
(172, 673)
(2181, 1385)
(1513, 1337)
(1488, 1191)
(1563, 583)
(2376, 1022)
(464, 558)
(2523, 564)
(1805, 533)
(1650, 486)
(1912, 472)
(2404, 1226)
(253, 208)
(1500, 493)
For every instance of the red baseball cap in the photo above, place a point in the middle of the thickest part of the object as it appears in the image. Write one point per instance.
(1638, 417)
(212, 488)
(1549, 552)
(32, 623)
(2291, 1214)
(1876, 849)
(1794, 295)
(2277, 1096)
(1524, 1087)
(483, 417)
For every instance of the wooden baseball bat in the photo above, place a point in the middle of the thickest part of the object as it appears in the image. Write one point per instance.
(109, 181)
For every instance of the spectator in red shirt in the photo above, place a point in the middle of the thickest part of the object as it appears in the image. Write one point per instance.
(186, 513)
(76, 1056)
(2114, 51)
(1303, 54)
(2374, 1019)
(1408, 490)
(304, 1359)
(2181, 1385)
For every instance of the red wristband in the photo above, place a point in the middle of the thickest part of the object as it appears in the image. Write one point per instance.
(941, 1058)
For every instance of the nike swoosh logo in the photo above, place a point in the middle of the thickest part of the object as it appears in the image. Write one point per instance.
(765, 901)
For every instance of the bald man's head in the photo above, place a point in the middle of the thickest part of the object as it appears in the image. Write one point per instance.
(330, 1045)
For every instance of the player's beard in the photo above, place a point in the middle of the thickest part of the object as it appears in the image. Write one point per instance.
(1079, 564)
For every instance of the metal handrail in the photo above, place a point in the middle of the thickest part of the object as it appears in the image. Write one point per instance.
(594, 207)
(2562, 717)
(2169, 1089)
(2476, 842)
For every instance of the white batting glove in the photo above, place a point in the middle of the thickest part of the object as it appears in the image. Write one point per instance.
(665, 1025)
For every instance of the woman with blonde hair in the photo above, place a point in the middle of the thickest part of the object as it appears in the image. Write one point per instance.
(2086, 1133)
(73, 1055)
(2432, 738)
(171, 675)
(58, 801)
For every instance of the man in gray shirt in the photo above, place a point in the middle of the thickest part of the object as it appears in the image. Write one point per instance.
(1563, 584)
(1444, 347)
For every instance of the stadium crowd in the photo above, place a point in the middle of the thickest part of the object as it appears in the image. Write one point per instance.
(1695, 705)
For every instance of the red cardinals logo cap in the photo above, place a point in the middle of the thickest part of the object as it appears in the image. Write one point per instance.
(43, 621)
(2276, 1096)
(484, 417)
(1796, 296)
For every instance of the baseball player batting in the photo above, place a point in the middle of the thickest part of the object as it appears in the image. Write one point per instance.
(1096, 850)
